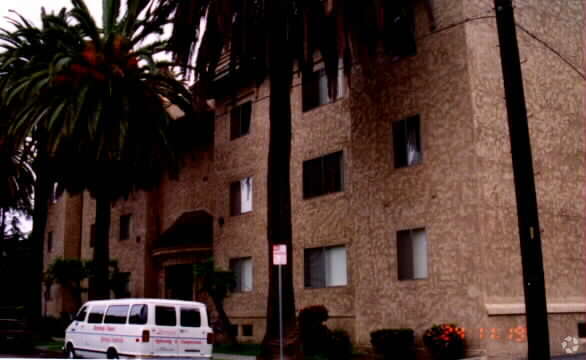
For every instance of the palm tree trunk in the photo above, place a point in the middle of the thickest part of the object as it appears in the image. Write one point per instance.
(224, 320)
(98, 286)
(42, 192)
(279, 228)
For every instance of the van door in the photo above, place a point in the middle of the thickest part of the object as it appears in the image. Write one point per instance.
(76, 327)
(165, 332)
(192, 340)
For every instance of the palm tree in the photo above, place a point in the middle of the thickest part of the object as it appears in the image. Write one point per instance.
(265, 40)
(95, 98)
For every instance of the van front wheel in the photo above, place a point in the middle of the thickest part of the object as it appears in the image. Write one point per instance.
(70, 351)
(112, 354)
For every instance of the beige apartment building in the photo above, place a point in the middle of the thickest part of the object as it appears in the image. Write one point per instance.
(402, 191)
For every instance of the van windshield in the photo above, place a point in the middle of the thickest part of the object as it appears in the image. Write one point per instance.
(138, 314)
(80, 316)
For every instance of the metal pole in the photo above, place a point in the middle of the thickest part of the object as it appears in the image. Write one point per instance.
(280, 314)
(527, 211)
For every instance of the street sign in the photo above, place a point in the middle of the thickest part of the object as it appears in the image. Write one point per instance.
(279, 255)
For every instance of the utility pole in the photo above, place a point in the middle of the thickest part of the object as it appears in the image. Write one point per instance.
(527, 213)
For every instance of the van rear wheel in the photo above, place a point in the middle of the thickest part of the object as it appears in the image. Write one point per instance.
(70, 351)
(112, 354)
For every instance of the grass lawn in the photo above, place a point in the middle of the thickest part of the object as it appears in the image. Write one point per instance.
(238, 349)
(50, 345)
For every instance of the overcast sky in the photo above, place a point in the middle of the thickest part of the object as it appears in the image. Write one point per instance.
(31, 9)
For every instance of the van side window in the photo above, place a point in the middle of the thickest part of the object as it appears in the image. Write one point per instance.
(190, 317)
(81, 314)
(96, 315)
(116, 314)
(165, 316)
(138, 314)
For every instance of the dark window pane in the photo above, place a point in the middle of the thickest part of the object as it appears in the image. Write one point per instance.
(240, 120)
(96, 315)
(333, 173)
(116, 314)
(399, 143)
(310, 90)
(125, 227)
(235, 206)
(81, 314)
(247, 330)
(405, 255)
(399, 29)
(323, 175)
(315, 268)
(246, 114)
(138, 314)
(413, 141)
(190, 317)
(49, 241)
(92, 235)
(165, 316)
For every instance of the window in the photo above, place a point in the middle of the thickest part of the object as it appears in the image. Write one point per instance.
(241, 196)
(412, 254)
(582, 329)
(165, 316)
(322, 175)
(92, 235)
(96, 315)
(242, 269)
(240, 120)
(80, 316)
(50, 241)
(116, 314)
(325, 267)
(399, 29)
(247, 330)
(315, 89)
(125, 227)
(407, 142)
(138, 314)
(190, 317)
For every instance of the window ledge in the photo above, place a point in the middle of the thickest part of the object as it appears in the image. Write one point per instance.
(519, 308)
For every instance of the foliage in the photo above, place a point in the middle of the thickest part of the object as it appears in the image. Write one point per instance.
(445, 341)
(16, 178)
(340, 347)
(51, 326)
(314, 335)
(217, 283)
(394, 343)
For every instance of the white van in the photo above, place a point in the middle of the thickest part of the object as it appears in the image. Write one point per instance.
(140, 328)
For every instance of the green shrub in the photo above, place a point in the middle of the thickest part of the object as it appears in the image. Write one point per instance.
(340, 346)
(394, 343)
(313, 333)
(445, 341)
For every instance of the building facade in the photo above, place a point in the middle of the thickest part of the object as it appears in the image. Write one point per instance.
(403, 201)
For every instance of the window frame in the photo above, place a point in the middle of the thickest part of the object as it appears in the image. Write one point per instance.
(108, 316)
(322, 251)
(239, 115)
(125, 227)
(401, 135)
(315, 83)
(316, 185)
(236, 264)
(411, 256)
(157, 307)
(235, 202)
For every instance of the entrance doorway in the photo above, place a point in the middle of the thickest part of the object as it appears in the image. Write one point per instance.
(179, 282)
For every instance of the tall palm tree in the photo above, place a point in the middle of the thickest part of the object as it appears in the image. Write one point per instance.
(96, 101)
(265, 40)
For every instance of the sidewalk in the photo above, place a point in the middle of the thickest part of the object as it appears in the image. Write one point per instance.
(233, 357)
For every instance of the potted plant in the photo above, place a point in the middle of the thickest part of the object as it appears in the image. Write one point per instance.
(445, 341)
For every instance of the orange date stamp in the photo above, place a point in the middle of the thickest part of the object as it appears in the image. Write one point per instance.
(516, 334)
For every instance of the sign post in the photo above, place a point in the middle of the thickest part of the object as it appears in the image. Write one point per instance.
(280, 259)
